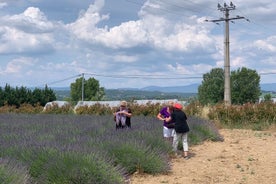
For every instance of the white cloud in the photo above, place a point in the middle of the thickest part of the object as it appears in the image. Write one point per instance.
(125, 58)
(32, 20)
(18, 66)
(28, 32)
(194, 70)
(150, 30)
(238, 62)
(268, 45)
(3, 4)
(17, 41)
(129, 34)
(85, 27)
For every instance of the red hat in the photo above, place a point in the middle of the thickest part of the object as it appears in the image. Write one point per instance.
(177, 106)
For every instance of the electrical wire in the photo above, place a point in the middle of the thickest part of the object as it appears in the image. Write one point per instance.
(62, 80)
(143, 76)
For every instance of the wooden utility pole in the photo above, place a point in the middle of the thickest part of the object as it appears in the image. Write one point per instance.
(226, 8)
(82, 87)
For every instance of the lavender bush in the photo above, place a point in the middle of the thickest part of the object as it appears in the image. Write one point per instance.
(13, 172)
(87, 148)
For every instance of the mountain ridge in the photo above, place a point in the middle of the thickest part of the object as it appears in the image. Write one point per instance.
(191, 88)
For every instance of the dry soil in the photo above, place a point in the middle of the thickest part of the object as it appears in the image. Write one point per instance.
(244, 157)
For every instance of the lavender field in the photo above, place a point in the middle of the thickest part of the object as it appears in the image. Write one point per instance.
(47, 148)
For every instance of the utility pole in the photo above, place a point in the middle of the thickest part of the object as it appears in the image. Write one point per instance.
(226, 8)
(82, 87)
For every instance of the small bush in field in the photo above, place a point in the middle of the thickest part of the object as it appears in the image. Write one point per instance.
(24, 108)
(194, 109)
(55, 109)
(12, 172)
(7, 109)
(29, 109)
(135, 157)
(97, 109)
(77, 168)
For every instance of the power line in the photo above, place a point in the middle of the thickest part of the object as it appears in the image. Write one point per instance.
(183, 77)
(267, 73)
(188, 5)
(72, 77)
(143, 76)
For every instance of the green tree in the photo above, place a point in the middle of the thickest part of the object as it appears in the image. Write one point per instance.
(211, 90)
(20, 95)
(48, 95)
(268, 97)
(245, 86)
(42, 96)
(37, 96)
(23, 95)
(2, 95)
(92, 90)
(9, 95)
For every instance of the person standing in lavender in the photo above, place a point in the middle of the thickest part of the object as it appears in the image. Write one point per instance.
(168, 127)
(181, 127)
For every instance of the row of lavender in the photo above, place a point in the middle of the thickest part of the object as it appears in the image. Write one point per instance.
(46, 148)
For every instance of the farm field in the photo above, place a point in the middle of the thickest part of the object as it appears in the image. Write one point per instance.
(244, 157)
(84, 149)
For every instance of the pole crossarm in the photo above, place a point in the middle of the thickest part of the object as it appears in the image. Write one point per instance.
(224, 19)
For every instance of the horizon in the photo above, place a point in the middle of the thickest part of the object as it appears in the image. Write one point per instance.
(121, 87)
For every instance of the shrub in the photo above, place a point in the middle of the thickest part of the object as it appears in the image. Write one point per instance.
(13, 172)
(55, 109)
(136, 157)
(194, 109)
(254, 116)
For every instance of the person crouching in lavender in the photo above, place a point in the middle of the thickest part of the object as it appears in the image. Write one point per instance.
(122, 116)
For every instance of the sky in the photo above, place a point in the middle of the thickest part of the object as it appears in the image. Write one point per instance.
(131, 43)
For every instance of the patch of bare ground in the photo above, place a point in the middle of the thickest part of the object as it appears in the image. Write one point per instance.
(244, 157)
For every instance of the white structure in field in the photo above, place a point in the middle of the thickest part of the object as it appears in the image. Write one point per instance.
(261, 99)
(53, 103)
(91, 103)
(117, 103)
(110, 104)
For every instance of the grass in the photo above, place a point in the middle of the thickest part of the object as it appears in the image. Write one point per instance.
(65, 149)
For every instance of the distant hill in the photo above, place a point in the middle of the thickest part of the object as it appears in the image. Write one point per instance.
(131, 94)
(192, 88)
(269, 87)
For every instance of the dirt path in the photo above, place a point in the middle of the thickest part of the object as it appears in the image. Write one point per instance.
(245, 157)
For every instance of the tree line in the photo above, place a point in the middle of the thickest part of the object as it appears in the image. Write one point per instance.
(245, 87)
(21, 95)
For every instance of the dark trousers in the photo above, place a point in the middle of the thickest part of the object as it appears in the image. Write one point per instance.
(120, 126)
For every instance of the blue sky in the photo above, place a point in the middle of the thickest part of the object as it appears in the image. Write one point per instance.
(131, 43)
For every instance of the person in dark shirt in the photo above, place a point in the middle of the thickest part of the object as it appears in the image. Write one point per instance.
(181, 128)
